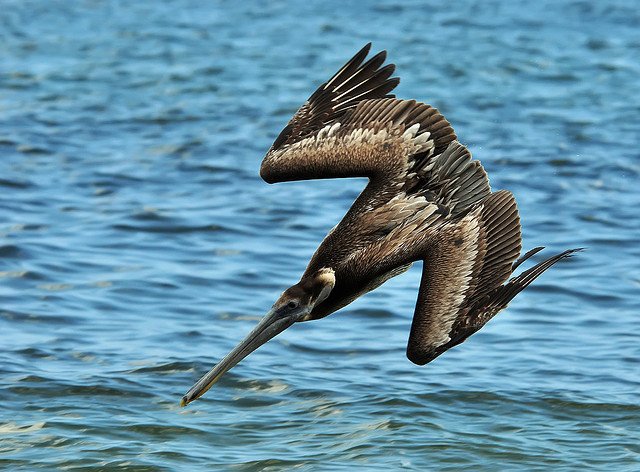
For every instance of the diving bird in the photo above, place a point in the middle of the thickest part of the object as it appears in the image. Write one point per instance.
(426, 200)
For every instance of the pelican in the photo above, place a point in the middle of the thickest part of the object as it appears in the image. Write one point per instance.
(426, 200)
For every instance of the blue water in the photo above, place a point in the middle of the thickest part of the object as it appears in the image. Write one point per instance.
(138, 243)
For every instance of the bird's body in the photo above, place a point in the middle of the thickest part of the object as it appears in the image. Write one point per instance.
(427, 200)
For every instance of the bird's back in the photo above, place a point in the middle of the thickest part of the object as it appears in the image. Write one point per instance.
(395, 217)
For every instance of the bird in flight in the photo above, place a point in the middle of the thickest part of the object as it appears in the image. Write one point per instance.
(426, 200)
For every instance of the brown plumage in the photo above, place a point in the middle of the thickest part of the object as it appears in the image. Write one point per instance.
(427, 200)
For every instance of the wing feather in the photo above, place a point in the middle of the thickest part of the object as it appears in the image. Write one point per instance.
(378, 137)
(354, 82)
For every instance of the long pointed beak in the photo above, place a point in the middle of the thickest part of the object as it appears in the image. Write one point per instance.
(273, 323)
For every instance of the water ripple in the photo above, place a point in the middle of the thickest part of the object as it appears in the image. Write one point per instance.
(139, 243)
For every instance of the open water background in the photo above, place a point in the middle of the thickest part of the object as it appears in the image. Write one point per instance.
(138, 243)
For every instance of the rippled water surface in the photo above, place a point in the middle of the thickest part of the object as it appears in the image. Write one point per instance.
(138, 243)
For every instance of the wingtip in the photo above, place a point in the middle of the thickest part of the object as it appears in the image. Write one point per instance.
(363, 53)
(392, 82)
(563, 255)
(526, 256)
(572, 252)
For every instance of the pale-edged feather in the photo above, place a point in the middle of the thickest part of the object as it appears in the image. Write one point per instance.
(453, 178)
(470, 259)
(355, 81)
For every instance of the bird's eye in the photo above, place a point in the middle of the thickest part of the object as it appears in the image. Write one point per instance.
(292, 304)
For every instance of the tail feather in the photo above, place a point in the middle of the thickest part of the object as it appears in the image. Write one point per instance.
(526, 256)
(504, 294)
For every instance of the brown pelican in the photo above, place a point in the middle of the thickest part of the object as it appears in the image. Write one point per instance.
(427, 200)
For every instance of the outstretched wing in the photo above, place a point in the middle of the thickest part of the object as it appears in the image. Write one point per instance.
(352, 127)
(378, 138)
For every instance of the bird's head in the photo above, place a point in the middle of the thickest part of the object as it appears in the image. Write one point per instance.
(295, 304)
(306, 294)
